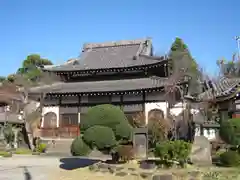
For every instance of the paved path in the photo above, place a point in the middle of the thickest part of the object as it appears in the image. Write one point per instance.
(27, 168)
(40, 167)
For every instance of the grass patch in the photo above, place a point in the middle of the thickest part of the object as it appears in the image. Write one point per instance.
(2, 153)
(22, 151)
(5, 154)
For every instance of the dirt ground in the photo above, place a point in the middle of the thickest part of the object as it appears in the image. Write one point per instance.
(45, 168)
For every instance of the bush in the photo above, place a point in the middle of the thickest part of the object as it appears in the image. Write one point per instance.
(229, 131)
(100, 137)
(161, 150)
(41, 147)
(79, 147)
(123, 131)
(103, 115)
(170, 151)
(230, 159)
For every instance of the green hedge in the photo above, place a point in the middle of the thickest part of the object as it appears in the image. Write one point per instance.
(230, 158)
(230, 131)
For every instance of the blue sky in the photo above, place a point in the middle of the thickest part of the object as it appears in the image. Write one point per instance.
(57, 29)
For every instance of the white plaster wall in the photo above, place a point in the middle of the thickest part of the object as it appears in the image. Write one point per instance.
(54, 109)
(197, 131)
(176, 110)
(159, 105)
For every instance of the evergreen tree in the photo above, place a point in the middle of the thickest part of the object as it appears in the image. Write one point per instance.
(183, 60)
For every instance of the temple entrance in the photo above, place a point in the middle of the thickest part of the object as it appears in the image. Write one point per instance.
(155, 114)
(50, 120)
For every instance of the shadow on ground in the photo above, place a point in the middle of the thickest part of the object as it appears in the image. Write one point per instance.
(75, 163)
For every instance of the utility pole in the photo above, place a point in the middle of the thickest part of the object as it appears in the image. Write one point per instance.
(237, 38)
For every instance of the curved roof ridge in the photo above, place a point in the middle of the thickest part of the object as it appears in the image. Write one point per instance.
(153, 57)
(114, 43)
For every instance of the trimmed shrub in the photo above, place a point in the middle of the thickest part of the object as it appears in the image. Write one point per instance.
(230, 159)
(103, 115)
(230, 131)
(100, 137)
(123, 131)
(79, 147)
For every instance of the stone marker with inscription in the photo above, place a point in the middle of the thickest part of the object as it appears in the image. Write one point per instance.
(140, 143)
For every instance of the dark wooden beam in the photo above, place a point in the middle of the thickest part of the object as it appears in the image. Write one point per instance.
(79, 102)
(121, 102)
(41, 101)
(144, 100)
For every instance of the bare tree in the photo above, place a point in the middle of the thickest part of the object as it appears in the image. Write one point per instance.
(21, 87)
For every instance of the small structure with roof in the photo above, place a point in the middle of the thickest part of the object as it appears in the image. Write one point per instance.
(220, 101)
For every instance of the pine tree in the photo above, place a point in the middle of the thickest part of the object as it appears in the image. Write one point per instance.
(183, 60)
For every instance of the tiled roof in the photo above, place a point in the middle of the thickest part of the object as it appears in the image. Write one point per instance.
(112, 55)
(221, 88)
(103, 86)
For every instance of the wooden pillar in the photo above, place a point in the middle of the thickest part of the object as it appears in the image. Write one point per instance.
(121, 102)
(110, 99)
(201, 130)
(41, 101)
(165, 70)
(59, 111)
(41, 112)
(144, 101)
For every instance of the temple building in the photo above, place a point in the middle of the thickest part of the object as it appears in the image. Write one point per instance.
(122, 73)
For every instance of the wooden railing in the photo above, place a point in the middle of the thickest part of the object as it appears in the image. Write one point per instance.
(61, 132)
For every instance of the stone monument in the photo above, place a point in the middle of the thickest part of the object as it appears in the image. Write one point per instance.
(140, 143)
(201, 151)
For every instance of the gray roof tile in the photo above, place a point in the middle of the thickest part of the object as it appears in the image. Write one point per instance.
(102, 86)
(112, 55)
(222, 87)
